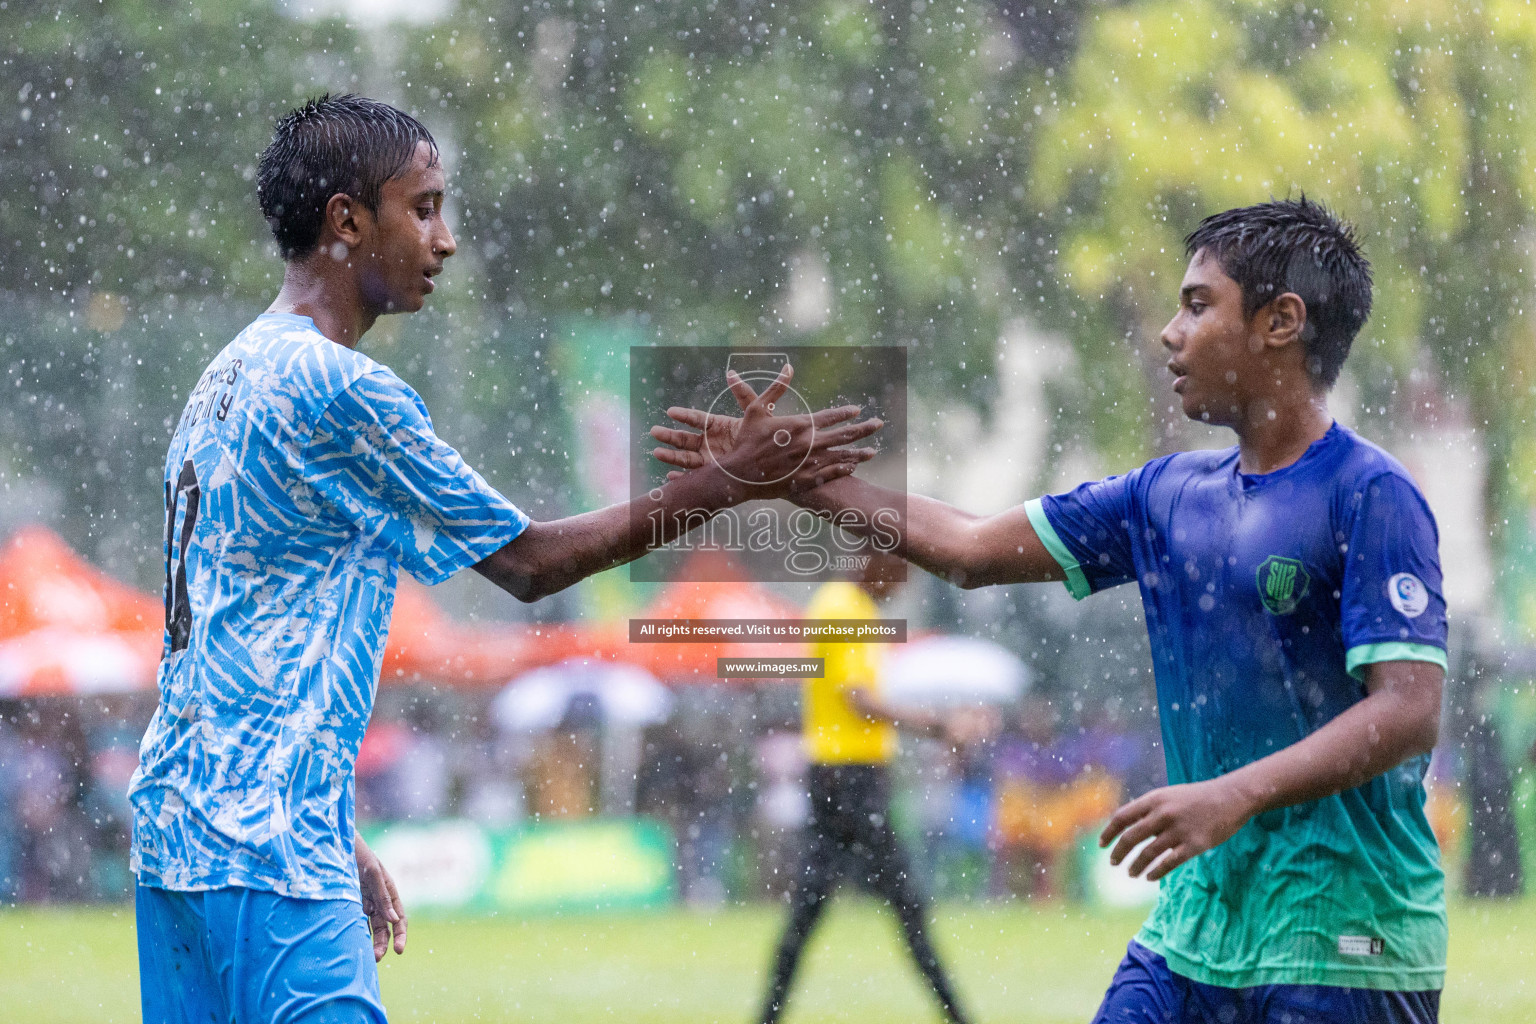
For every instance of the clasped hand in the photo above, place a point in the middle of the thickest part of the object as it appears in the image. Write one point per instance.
(775, 455)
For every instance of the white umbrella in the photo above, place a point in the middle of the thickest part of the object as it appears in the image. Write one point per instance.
(953, 671)
(627, 696)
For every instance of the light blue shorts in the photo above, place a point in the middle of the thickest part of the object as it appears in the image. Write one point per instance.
(244, 956)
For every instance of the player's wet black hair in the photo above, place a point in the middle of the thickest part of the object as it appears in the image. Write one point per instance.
(1295, 245)
(332, 144)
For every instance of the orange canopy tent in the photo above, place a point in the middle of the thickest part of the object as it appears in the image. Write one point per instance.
(426, 645)
(68, 628)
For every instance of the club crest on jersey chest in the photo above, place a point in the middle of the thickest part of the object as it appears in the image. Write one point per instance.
(1283, 583)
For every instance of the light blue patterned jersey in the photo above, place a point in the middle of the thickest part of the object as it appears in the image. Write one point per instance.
(301, 476)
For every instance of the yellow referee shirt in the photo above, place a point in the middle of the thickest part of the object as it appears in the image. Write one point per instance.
(835, 732)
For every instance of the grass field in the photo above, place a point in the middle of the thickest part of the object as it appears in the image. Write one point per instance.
(1012, 963)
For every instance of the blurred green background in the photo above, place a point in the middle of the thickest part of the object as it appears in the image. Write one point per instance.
(939, 176)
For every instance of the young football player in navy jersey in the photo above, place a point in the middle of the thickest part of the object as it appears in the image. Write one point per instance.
(1291, 585)
(302, 476)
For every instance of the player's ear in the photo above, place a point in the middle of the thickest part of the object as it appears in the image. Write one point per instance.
(345, 220)
(1284, 320)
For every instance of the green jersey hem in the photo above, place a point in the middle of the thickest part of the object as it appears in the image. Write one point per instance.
(1356, 658)
(1077, 583)
(1381, 979)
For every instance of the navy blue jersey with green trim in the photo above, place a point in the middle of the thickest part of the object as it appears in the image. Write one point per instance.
(1265, 597)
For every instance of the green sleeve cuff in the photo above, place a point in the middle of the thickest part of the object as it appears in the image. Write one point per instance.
(1077, 583)
(1356, 658)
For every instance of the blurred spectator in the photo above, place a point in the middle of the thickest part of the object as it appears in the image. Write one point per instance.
(782, 808)
(704, 842)
(560, 776)
(113, 757)
(54, 851)
(493, 791)
(687, 784)
(1443, 805)
(925, 806)
(974, 732)
(952, 803)
(10, 799)
(380, 758)
(423, 779)
(1049, 792)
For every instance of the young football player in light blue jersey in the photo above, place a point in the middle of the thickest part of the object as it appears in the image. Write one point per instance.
(1292, 594)
(302, 476)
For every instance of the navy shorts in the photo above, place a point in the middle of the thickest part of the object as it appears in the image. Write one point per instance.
(1145, 991)
(242, 956)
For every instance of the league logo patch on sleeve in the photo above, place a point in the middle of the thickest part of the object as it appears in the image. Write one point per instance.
(1408, 594)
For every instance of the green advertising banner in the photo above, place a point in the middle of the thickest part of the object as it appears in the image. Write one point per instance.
(543, 868)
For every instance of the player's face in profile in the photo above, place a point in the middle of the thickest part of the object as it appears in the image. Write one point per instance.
(411, 240)
(1208, 344)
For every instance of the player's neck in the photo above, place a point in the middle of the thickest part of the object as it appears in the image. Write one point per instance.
(1275, 432)
(332, 300)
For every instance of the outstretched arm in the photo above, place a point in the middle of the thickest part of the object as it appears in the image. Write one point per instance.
(968, 550)
(548, 557)
(1398, 719)
(770, 457)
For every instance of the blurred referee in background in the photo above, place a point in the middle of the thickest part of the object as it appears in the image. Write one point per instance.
(850, 739)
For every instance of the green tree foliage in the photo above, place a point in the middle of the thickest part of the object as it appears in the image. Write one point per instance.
(688, 161)
(815, 171)
(687, 167)
(1413, 120)
(130, 243)
(135, 127)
